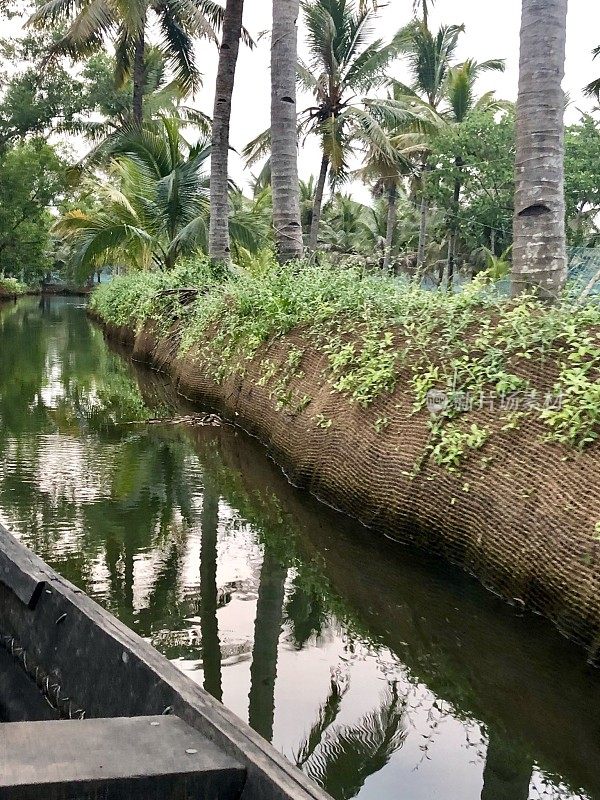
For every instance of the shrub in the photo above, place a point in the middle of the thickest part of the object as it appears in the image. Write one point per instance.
(11, 287)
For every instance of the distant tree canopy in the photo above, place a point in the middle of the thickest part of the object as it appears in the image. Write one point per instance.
(32, 180)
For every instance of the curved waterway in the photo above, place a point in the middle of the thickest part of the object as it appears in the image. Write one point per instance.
(380, 672)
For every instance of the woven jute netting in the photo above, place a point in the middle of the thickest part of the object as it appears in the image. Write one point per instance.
(520, 514)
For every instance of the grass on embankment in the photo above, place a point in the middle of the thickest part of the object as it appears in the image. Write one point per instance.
(372, 328)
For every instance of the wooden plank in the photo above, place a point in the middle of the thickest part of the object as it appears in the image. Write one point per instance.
(140, 757)
(18, 571)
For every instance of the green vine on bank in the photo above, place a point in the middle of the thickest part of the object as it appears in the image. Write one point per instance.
(474, 348)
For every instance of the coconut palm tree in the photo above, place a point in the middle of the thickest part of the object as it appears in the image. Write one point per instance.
(341, 65)
(539, 252)
(386, 170)
(284, 152)
(445, 92)
(429, 57)
(125, 24)
(218, 247)
(153, 207)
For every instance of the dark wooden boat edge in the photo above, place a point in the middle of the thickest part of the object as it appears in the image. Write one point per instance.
(92, 664)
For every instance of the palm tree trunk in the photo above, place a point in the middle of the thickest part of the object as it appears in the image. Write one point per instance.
(424, 213)
(454, 227)
(318, 205)
(284, 148)
(139, 69)
(451, 260)
(539, 252)
(218, 240)
(391, 225)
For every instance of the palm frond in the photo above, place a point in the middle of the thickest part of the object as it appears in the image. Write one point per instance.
(178, 48)
(258, 148)
(53, 12)
(593, 88)
(215, 14)
(328, 713)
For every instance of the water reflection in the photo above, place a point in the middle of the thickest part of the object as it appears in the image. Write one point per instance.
(267, 630)
(379, 672)
(209, 595)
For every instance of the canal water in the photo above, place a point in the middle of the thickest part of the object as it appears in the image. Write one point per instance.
(380, 672)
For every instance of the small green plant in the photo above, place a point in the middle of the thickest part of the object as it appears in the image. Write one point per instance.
(451, 445)
(381, 424)
(323, 421)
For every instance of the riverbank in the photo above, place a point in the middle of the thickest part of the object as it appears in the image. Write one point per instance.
(338, 375)
(10, 289)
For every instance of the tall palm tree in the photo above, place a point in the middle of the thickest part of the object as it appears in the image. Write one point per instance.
(388, 169)
(445, 91)
(125, 23)
(284, 152)
(342, 64)
(539, 252)
(429, 58)
(462, 102)
(218, 246)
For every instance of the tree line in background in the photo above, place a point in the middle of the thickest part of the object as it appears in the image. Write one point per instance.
(154, 187)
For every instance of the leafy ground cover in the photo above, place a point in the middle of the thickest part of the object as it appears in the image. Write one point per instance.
(455, 350)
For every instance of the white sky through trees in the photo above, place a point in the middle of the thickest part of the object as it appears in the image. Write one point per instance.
(492, 31)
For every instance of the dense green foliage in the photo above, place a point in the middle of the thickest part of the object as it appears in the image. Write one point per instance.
(32, 179)
(403, 115)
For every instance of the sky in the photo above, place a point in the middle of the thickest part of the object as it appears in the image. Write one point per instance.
(492, 31)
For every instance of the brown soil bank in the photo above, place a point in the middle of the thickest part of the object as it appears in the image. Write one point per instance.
(520, 514)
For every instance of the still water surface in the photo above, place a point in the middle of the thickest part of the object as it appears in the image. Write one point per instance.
(381, 673)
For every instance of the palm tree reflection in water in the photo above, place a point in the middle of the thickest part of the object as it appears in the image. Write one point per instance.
(341, 758)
